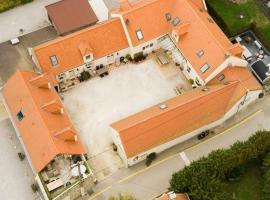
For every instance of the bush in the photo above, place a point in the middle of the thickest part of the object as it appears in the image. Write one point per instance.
(21, 156)
(215, 168)
(85, 76)
(139, 57)
(149, 159)
(266, 177)
(128, 57)
(191, 81)
(34, 187)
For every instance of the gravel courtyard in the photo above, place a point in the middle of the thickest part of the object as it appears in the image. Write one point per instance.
(95, 104)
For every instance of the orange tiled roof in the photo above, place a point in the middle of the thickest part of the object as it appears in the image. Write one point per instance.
(185, 113)
(40, 128)
(178, 197)
(203, 32)
(243, 76)
(104, 39)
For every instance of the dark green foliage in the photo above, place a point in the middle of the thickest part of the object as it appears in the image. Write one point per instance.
(205, 179)
(21, 156)
(266, 177)
(150, 158)
(85, 76)
(34, 187)
(139, 57)
(8, 4)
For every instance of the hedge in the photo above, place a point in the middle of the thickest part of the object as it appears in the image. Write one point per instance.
(205, 179)
(8, 4)
(266, 177)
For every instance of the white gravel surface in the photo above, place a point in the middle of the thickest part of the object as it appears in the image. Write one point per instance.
(97, 103)
(16, 176)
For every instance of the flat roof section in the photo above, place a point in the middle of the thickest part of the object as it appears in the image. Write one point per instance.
(71, 15)
(261, 71)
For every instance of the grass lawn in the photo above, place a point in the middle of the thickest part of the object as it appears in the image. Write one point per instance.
(8, 4)
(250, 184)
(253, 14)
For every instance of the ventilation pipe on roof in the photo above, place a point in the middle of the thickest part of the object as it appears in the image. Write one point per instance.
(67, 134)
(41, 81)
(53, 107)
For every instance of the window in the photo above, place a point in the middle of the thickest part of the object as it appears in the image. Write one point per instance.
(221, 77)
(151, 44)
(176, 21)
(54, 61)
(197, 81)
(188, 69)
(20, 115)
(168, 17)
(205, 67)
(143, 48)
(87, 57)
(200, 53)
(139, 34)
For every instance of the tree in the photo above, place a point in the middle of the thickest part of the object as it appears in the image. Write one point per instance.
(122, 196)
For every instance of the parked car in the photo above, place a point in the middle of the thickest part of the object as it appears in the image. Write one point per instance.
(203, 134)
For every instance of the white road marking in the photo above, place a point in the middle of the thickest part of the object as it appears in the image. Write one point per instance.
(185, 158)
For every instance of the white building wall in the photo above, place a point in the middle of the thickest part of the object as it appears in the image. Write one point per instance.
(243, 102)
(148, 46)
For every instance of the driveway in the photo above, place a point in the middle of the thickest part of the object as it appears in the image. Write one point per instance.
(97, 103)
(16, 176)
(29, 17)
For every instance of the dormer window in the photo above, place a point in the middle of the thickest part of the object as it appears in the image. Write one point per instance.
(54, 60)
(168, 17)
(88, 57)
(176, 21)
(139, 34)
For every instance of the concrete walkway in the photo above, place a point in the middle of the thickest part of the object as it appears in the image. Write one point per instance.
(29, 17)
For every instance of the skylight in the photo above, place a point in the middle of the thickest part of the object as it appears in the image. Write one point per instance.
(205, 67)
(139, 34)
(54, 60)
(20, 115)
(176, 21)
(221, 77)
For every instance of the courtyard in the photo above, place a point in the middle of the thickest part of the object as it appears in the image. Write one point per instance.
(97, 103)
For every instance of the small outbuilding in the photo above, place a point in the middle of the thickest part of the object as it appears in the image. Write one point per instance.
(68, 16)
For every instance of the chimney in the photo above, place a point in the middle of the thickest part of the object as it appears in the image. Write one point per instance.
(41, 81)
(67, 134)
(125, 5)
(53, 107)
(182, 29)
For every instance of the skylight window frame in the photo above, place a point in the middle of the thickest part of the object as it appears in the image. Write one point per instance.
(54, 60)
(176, 21)
(200, 53)
(139, 34)
(168, 17)
(205, 67)
(221, 77)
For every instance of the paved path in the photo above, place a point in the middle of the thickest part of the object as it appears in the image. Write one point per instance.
(146, 183)
(30, 17)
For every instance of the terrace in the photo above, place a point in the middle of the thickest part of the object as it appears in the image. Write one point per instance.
(130, 88)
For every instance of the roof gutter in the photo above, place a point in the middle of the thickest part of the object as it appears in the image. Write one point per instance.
(204, 4)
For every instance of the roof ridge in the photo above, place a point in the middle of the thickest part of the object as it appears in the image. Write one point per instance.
(182, 103)
(75, 34)
(37, 109)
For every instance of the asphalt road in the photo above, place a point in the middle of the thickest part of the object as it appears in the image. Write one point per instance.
(146, 183)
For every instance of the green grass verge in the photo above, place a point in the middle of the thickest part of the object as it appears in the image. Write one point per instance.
(249, 186)
(8, 4)
(253, 16)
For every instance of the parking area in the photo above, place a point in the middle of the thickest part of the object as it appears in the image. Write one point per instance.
(16, 176)
(97, 103)
(13, 57)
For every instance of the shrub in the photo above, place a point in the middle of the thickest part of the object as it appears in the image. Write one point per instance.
(266, 177)
(217, 167)
(8, 4)
(128, 57)
(21, 156)
(34, 187)
(139, 57)
(85, 75)
(191, 81)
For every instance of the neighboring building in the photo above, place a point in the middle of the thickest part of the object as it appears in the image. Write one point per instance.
(68, 16)
(185, 29)
(45, 131)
